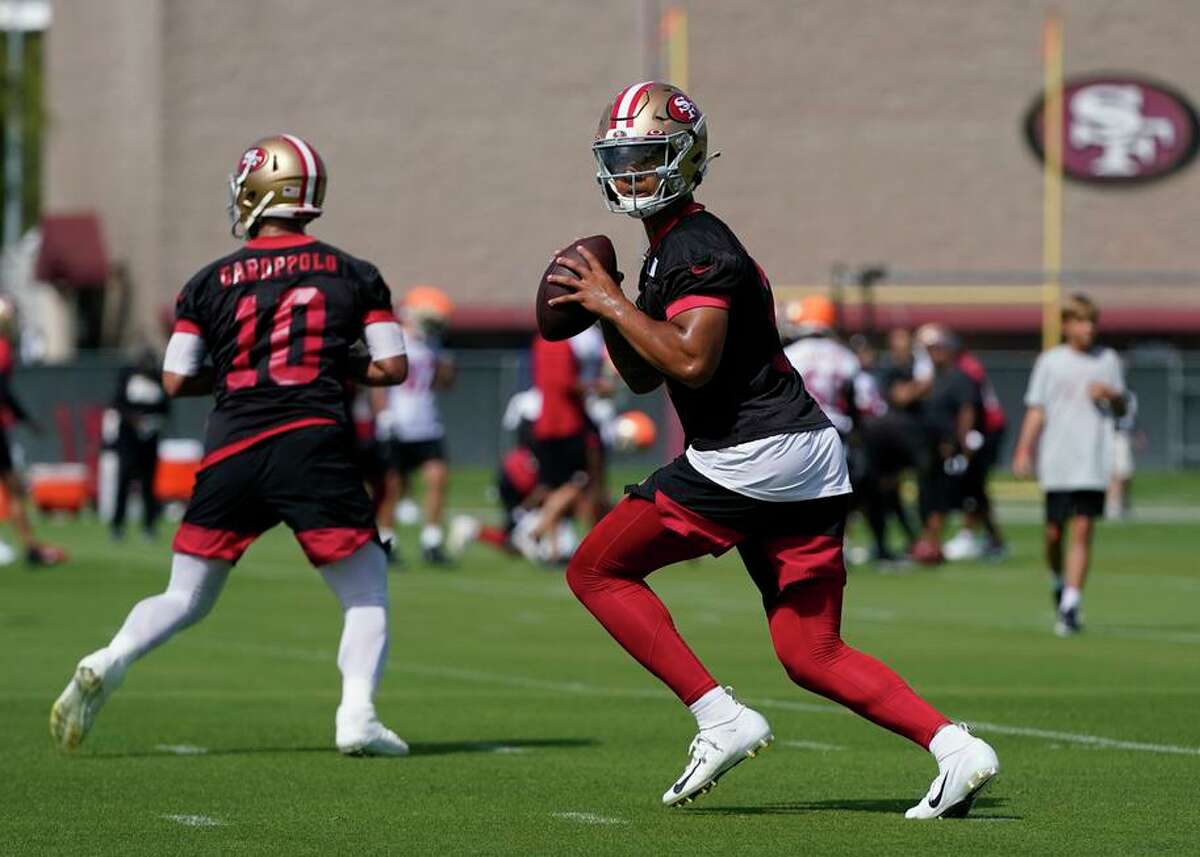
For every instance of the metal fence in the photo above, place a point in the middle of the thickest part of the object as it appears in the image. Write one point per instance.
(68, 400)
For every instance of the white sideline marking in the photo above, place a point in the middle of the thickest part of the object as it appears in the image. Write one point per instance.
(1090, 740)
(195, 820)
(583, 688)
(812, 745)
(588, 818)
(182, 749)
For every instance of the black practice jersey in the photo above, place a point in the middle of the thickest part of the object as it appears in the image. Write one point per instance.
(278, 318)
(755, 392)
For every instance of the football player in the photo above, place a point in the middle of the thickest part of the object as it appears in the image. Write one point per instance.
(409, 423)
(281, 319)
(763, 471)
(11, 413)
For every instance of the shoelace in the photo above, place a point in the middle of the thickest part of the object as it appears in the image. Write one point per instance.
(694, 747)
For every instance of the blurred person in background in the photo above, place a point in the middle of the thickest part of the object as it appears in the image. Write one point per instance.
(849, 396)
(11, 413)
(980, 535)
(409, 422)
(560, 438)
(596, 378)
(1076, 390)
(832, 373)
(141, 407)
(950, 411)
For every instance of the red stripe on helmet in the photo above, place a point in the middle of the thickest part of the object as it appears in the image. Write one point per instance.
(303, 167)
(637, 96)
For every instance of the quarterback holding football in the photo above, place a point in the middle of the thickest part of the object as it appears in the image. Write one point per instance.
(764, 471)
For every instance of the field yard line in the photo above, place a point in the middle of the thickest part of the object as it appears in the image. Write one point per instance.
(812, 745)
(584, 688)
(195, 820)
(588, 818)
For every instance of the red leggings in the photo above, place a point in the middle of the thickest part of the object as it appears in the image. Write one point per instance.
(607, 574)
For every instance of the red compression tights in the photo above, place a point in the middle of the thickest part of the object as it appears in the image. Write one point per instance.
(607, 574)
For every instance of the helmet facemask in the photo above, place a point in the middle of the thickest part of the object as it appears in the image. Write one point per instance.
(242, 223)
(643, 175)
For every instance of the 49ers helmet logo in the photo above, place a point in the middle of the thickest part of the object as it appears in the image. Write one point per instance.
(682, 109)
(253, 159)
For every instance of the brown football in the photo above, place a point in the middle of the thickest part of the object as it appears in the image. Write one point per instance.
(567, 320)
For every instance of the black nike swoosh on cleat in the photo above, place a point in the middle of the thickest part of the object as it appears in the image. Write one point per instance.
(678, 787)
(933, 803)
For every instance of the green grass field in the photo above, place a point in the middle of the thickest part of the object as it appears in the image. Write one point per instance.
(534, 734)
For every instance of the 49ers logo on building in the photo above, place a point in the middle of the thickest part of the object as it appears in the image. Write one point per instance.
(253, 159)
(1120, 129)
(682, 109)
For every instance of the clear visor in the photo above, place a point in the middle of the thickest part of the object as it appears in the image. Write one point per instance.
(633, 158)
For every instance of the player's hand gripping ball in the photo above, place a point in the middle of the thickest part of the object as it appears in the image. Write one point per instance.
(567, 293)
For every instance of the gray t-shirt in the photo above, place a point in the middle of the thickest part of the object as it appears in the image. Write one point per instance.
(1073, 453)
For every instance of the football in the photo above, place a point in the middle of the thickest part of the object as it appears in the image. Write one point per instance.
(562, 322)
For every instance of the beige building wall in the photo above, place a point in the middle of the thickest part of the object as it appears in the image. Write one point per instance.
(457, 133)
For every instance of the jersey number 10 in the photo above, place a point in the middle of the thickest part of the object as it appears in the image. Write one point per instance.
(243, 375)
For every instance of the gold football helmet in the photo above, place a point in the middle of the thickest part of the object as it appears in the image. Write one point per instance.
(651, 148)
(279, 176)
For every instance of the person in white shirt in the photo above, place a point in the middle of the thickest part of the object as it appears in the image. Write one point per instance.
(408, 422)
(1076, 390)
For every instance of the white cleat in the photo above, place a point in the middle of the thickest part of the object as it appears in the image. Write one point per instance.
(962, 776)
(74, 712)
(965, 545)
(716, 750)
(360, 733)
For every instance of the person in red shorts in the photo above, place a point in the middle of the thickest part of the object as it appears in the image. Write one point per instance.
(764, 471)
(283, 319)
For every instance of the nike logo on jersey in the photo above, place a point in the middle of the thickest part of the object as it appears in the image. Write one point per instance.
(934, 801)
(701, 270)
(678, 787)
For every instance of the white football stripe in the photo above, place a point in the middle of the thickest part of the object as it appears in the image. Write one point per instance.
(310, 167)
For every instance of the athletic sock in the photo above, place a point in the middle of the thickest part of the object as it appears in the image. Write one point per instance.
(949, 740)
(431, 536)
(1071, 596)
(714, 708)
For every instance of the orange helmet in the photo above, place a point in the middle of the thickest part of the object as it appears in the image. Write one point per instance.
(635, 430)
(813, 314)
(427, 305)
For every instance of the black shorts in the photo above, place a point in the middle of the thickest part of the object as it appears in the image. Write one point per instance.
(408, 455)
(510, 498)
(561, 459)
(1061, 505)
(307, 478)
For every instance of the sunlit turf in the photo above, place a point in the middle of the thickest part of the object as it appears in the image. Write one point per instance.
(534, 734)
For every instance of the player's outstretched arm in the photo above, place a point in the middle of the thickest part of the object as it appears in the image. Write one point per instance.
(637, 374)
